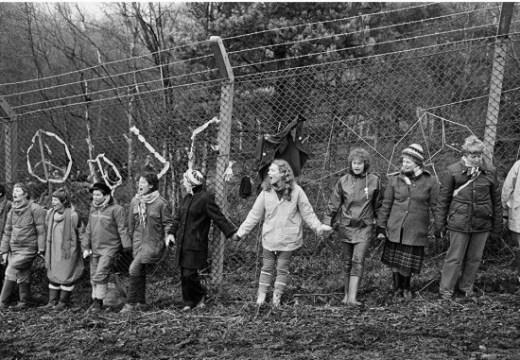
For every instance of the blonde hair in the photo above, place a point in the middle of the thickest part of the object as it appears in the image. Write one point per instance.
(287, 178)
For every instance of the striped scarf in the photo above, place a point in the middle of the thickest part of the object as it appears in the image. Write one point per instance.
(143, 200)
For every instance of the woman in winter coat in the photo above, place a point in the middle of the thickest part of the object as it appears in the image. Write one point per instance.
(404, 218)
(284, 207)
(354, 202)
(511, 205)
(62, 251)
(105, 232)
(191, 227)
(149, 219)
(22, 241)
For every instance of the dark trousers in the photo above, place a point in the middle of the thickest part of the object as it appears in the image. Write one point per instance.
(192, 289)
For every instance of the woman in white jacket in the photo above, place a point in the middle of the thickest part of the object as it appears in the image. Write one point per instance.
(511, 205)
(284, 207)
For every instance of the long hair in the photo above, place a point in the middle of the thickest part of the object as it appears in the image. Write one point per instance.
(287, 179)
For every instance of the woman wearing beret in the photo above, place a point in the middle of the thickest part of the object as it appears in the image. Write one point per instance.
(404, 218)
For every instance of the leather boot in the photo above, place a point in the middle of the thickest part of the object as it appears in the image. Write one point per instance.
(260, 300)
(25, 294)
(54, 297)
(7, 291)
(64, 300)
(96, 306)
(133, 289)
(407, 292)
(397, 284)
(141, 290)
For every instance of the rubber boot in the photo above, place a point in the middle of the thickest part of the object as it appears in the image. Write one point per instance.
(25, 294)
(7, 291)
(352, 291)
(346, 285)
(54, 297)
(141, 290)
(133, 289)
(407, 292)
(64, 300)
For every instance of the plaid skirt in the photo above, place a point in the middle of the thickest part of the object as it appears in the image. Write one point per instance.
(405, 258)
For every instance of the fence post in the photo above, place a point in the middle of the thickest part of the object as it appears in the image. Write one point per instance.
(224, 143)
(497, 76)
(10, 132)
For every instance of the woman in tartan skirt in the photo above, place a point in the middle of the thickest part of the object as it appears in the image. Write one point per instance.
(404, 218)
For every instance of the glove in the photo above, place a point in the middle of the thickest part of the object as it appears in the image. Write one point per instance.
(235, 237)
(170, 240)
(439, 231)
(86, 253)
(41, 253)
(381, 232)
(4, 258)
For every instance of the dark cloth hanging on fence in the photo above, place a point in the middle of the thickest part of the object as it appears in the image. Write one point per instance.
(287, 144)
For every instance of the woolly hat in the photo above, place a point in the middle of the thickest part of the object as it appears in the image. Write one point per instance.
(62, 195)
(416, 152)
(101, 187)
(193, 177)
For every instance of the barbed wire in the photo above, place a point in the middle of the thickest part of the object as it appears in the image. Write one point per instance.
(328, 21)
(386, 27)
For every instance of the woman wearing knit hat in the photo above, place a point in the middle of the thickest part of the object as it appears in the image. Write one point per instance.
(284, 207)
(63, 250)
(149, 219)
(105, 232)
(404, 218)
(191, 226)
(22, 241)
(352, 206)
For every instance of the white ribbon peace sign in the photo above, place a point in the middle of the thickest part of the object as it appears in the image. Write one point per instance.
(47, 163)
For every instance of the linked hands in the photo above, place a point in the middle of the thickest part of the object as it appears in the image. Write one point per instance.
(170, 240)
(86, 253)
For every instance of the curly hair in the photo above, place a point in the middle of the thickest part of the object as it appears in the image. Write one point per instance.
(472, 141)
(287, 179)
(360, 154)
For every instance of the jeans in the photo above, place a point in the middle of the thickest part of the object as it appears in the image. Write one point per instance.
(462, 261)
(280, 259)
(354, 257)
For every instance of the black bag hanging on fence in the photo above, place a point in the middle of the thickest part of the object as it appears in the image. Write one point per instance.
(287, 144)
(245, 187)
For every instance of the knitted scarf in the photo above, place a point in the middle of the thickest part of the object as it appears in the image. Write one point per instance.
(103, 205)
(472, 170)
(19, 206)
(413, 174)
(143, 200)
(69, 235)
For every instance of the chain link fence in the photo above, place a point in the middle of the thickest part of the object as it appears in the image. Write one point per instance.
(434, 95)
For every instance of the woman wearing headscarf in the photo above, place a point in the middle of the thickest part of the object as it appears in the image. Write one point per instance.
(404, 218)
(62, 251)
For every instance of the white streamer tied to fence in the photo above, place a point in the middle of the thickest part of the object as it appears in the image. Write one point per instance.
(67, 152)
(150, 148)
(195, 132)
(104, 175)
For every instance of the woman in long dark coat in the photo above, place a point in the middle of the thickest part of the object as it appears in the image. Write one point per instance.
(191, 228)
